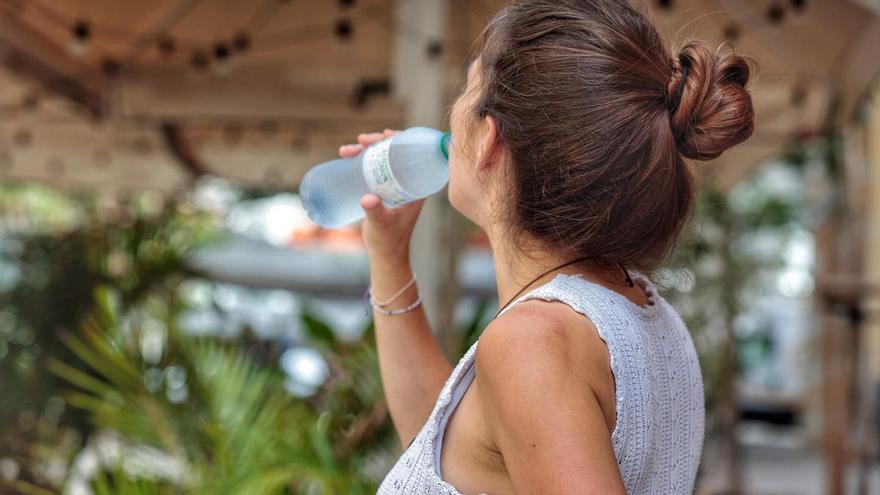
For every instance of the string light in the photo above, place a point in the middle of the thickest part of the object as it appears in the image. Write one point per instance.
(111, 67)
(343, 29)
(221, 51)
(798, 95)
(775, 13)
(31, 102)
(232, 133)
(367, 88)
(166, 46)
(81, 33)
(199, 60)
(22, 137)
(268, 127)
(731, 32)
(221, 59)
(241, 42)
(299, 142)
(434, 49)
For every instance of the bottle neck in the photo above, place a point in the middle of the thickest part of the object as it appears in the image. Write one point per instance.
(444, 144)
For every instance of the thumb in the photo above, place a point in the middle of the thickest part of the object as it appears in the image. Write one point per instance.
(372, 205)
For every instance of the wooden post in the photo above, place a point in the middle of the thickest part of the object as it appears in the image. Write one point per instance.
(870, 341)
(419, 82)
(842, 293)
(728, 410)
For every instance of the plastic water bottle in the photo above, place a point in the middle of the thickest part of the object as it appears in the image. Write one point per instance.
(407, 166)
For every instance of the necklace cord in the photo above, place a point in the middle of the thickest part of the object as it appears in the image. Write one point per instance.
(628, 281)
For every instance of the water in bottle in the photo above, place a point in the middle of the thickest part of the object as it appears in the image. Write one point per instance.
(399, 169)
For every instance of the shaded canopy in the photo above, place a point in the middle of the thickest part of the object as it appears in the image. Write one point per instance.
(147, 94)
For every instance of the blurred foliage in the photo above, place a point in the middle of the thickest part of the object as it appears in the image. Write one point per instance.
(235, 429)
(56, 249)
(90, 345)
(95, 308)
(718, 271)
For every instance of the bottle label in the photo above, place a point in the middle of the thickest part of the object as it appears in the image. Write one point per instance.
(379, 176)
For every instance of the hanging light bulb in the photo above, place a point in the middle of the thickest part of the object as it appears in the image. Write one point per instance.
(166, 46)
(241, 42)
(31, 102)
(111, 67)
(81, 33)
(775, 14)
(221, 59)
(343, 29)
(434, 49)
(732, 32)
(199, 60)
(799, 95)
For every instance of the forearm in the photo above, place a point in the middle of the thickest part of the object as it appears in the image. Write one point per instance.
(412, 365)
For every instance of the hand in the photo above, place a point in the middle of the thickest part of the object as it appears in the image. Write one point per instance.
(386, 231)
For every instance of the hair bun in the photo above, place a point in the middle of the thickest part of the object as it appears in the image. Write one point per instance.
(714, 110)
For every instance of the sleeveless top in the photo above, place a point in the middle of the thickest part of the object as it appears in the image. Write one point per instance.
(660, 414)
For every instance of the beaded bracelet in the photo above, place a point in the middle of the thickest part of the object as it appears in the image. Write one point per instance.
(395, 296)
(392, 312)
(380, 306)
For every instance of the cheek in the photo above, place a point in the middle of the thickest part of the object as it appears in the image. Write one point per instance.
(458, 187)
(462, 190)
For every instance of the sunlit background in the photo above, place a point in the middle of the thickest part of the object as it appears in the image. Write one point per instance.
(171, 321)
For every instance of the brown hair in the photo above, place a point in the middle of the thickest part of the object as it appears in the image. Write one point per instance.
(584, 94)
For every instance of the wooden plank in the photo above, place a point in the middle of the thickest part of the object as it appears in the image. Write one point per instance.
(41, 60)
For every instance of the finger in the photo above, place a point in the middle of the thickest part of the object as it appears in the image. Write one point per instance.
(372, 205)
(349, 150)
(390, 132)
(376, 211)
(370, 138)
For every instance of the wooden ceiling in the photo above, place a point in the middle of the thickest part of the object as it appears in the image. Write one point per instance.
(258, 91)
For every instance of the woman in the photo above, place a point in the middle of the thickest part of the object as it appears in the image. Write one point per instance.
(568, 146)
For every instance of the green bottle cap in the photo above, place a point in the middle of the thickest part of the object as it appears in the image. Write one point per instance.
(444, 144)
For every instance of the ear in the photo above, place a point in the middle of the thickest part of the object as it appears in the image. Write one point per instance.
(489, 145)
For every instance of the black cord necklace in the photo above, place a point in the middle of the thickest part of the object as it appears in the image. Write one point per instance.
(629, 281)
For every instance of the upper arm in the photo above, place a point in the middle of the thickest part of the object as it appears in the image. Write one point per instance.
(542, 412)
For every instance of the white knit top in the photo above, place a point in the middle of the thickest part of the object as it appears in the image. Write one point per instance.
(658, 434)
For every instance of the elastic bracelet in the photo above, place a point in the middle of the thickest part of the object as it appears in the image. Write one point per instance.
(395, 296)
(368, 296)
(392, 312)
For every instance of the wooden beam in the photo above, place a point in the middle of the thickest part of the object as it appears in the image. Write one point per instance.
(860, 69)
(41, 60)
(252, 93)
(180, 149)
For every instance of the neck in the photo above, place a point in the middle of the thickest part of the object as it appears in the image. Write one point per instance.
(514, 269)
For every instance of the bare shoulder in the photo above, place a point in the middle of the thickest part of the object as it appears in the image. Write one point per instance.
(545, 333)
(540, 370)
